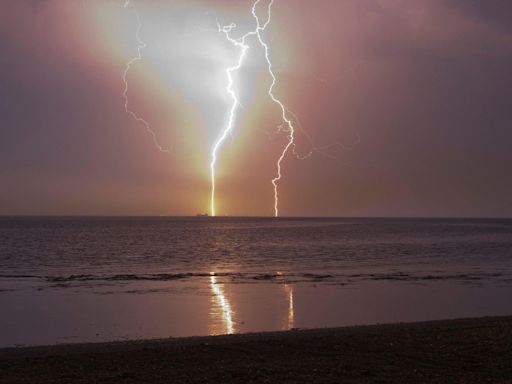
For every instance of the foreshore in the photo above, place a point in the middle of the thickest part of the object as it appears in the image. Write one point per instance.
(448, 351)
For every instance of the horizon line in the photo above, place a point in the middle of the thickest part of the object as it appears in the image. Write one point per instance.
(2, 216)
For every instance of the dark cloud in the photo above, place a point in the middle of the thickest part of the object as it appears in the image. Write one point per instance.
(497, 13)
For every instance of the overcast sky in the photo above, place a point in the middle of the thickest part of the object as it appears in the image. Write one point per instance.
(410, 103)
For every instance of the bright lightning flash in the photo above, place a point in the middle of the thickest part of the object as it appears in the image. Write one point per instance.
(140, 46)
(243, 47)
(284, 115)
(241, 43)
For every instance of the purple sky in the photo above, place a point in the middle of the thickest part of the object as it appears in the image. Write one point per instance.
(418, 95)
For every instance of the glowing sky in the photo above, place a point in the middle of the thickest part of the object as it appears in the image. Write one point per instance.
(414, 95)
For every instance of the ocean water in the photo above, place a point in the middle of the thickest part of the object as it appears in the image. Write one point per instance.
(97, 279)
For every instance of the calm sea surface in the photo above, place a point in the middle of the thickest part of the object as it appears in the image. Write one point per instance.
(96, 279)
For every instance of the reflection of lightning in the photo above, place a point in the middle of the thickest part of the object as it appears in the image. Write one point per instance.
(288, 289)
(140, 46)
(291, 312)
(223, 304)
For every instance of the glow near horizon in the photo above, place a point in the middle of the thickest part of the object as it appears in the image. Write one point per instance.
(241, 44)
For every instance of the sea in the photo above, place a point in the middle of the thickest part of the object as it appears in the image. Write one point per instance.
(96, 279)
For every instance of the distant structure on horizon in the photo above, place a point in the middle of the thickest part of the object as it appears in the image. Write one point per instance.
(202, 215)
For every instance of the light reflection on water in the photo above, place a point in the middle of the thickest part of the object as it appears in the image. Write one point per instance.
(213, 306)
(97, 279)
(221, 311)
(291, 315)
(222, 314)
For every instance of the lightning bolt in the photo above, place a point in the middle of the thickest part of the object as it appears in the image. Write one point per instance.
(239, 43)
(284, 115)
(140, 46)
(288, 117)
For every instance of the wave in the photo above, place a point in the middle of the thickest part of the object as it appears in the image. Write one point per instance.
(286, 278)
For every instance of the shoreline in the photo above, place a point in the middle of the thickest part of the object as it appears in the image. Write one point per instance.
(462, 350)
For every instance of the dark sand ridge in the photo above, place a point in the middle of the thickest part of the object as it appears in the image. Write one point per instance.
(450, 351)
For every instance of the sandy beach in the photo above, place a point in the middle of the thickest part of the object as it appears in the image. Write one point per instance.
(450, 351)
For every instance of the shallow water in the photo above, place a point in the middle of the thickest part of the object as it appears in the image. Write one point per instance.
(98, 279)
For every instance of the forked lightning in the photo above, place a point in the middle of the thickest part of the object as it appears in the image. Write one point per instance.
(241, 43)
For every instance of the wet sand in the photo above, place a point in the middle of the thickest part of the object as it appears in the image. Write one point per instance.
(451, 351)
